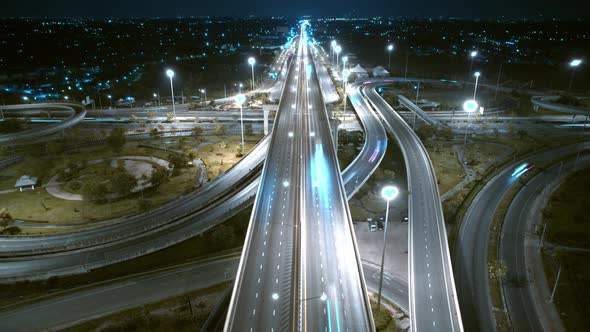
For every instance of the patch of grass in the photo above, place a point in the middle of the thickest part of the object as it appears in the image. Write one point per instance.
(568, 224)
(447, 168)
(572, 296)
(384, 321)
(566, 214)
(172, 314)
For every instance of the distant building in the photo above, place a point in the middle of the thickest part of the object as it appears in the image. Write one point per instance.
(359, 71)
(380, 72)
(26, 182)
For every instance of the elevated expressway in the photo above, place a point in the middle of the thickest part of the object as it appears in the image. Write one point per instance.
(547, 102)
(300, 267)
(33, 135)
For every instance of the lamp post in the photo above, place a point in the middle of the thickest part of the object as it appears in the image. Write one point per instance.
(574, 64)
(345, 74)
(477, 74)
(204, 91)
(252, 61)
(155, 98)
(388, 193)
(110, 100)
(344, 61)
(332, 47)
(170, 74)
(469, 106)
(25, 99)
(240, 100)
(389, 49)
(473, 54)
(337, 49)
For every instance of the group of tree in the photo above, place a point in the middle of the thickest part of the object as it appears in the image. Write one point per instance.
(117, 139)
(7, 223)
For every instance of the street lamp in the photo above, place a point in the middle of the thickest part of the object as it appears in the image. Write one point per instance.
(469, 106)
(345, 74)
(473, 54)
(389, 49)
(344, 61)
(25, 99)
(66, 97)
(110, 100)
(240, 100)
(252, 61)
(477, 74)
(170, 74)
(337, 49)
(388, 193)
(204, 91)
(332, 47)
(574, 64)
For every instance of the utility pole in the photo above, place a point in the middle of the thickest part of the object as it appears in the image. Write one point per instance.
(406, 71)
(498, 82)
(556, 283)
(542, 237)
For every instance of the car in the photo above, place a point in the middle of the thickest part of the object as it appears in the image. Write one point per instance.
(372, 226)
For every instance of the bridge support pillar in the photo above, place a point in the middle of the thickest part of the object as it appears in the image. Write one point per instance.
(535, 108)
(266, 112)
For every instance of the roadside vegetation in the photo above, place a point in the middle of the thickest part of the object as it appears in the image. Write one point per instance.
(567, 244)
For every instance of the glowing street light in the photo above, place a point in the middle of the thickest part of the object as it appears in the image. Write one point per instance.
(66, 98)
(25, 99)
(477, 74)
(110, 100)
(252, 61)
(469, 106)
(389, 49)
(574, 64)
(344, 61)
(170, 74)
(388, 193)
(204, 91)
(332, 47)
(473, 54)
(337, 49)
(240, 100)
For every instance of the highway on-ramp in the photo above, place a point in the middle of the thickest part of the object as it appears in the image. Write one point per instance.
(432, 296)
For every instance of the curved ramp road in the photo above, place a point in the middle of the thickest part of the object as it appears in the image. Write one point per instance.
(418, 111)
(547, 102)
(514, 243)
(78, 113)
(433, 301)
(471, 250)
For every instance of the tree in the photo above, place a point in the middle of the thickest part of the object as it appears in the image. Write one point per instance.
(95, 191)
(169, 117)
(159, 176)
(220, 130)
(12, 230)
(117, 139)
(497, 270)
(151, 115)
(248, 129)
(5, 218)
(123, 183)
(197, 131)
(425, 132)
(178, 161)
(223, 234)
(144, 204)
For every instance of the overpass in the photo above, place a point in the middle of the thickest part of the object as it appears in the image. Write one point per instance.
(78, 113)
(432, 296)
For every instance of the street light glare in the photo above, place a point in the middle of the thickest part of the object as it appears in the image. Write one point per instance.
(470, 106)
(170, 73)
(251, 61)
(240, 99)
(473, 54)
(390, 47)
(345, 58)
(477, 74)
(575, 63)
(333, 43)
(338, 49)
(345, 73)
(389, 192)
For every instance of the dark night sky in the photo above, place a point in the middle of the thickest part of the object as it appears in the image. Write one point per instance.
(169, 8)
